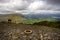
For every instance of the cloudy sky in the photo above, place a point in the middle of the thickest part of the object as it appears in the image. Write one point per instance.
(29, 5)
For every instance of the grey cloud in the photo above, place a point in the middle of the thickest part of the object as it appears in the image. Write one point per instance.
(17, 5)
(55, 2)
(4, 1)
(24, 4)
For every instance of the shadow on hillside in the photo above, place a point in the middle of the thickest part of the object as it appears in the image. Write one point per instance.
(42, 23)
(49, 24)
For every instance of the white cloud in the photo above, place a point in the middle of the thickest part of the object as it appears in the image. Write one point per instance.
(42, 5)
(14, 4)
(30, 5)
(27, 4)
(36, 4)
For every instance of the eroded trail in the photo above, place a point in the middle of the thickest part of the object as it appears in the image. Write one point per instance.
(28, 32)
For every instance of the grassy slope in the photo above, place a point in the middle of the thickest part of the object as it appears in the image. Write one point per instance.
(32, 21)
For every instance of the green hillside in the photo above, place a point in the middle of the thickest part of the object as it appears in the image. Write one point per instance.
(32, 21)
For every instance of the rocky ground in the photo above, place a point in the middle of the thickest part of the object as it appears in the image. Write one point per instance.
(9, 31)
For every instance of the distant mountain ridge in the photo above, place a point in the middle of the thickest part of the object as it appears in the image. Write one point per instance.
(47, 15)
